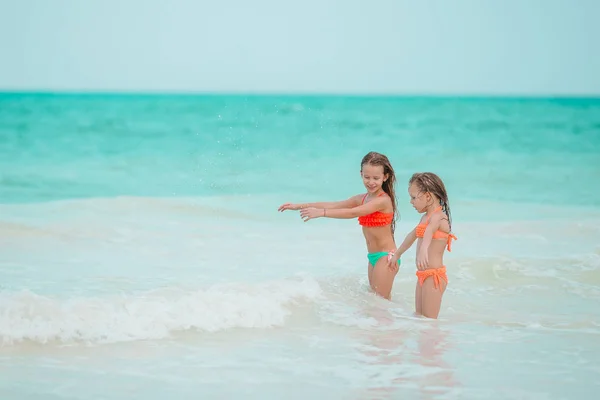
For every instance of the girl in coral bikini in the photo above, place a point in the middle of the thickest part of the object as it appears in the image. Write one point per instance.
(428, 195)
(376, 212)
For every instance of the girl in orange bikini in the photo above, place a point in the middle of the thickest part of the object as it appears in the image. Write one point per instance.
(376, 212)
(428, 195)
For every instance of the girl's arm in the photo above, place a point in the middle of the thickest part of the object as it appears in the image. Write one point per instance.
(376, 204)
(408, 241)
(348, 203)
(423, 256)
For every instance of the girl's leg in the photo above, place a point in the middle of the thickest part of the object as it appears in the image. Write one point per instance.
(418, 296)
(370, 275)
(431, 297)
(383, 278)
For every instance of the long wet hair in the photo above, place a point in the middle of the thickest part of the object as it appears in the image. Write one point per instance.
(377, 159)
(430, 182)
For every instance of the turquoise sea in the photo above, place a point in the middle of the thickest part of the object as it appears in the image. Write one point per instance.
(142, 254)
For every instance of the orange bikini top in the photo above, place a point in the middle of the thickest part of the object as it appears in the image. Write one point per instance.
(420, 231)
(377, 218)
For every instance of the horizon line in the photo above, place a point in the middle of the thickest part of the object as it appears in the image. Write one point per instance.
(249, 93)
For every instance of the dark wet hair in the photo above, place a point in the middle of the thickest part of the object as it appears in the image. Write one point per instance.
(430, 182)
(377, 159)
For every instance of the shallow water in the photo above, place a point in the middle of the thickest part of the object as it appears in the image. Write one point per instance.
(142, 254)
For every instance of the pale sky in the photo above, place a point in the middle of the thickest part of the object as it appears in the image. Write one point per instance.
(532, 47)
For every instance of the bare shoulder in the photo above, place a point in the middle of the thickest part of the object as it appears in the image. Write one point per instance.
(441, 220)
(384, 203)
(387, 199)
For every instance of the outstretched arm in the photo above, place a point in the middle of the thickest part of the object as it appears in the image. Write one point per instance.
(348, 203)
(376, 204)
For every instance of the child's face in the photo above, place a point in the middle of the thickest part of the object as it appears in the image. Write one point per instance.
(418, 198)
(373, 177)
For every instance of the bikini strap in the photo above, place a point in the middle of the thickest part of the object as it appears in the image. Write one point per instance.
(364, 197)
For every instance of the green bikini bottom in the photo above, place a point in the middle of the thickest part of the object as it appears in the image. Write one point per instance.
(374, 257)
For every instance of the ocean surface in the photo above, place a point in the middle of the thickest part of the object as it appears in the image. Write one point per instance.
(142, 254)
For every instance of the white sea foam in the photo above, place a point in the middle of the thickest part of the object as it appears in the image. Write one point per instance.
(156, 314)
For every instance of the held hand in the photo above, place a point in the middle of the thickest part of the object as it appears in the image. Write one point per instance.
(288, 206)
(310, 213)
(393, 263)
(422, 260)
